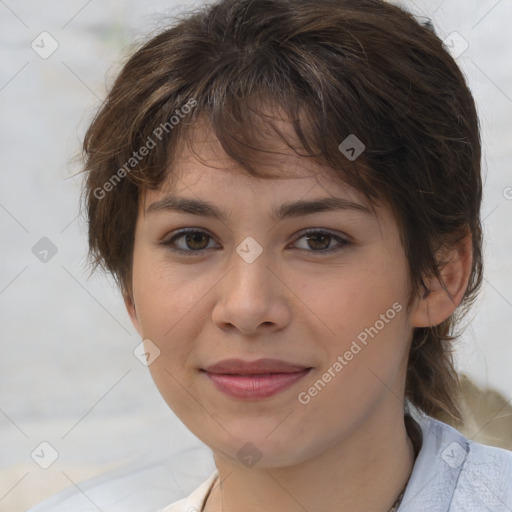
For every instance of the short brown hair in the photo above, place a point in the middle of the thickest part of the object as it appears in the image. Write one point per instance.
(336, 68)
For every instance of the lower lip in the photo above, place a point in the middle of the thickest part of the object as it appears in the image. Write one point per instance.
(255, 386)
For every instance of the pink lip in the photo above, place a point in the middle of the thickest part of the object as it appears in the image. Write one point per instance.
(254, 379)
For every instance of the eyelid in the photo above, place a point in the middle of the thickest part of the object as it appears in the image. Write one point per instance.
(314, 231)
(343, 240)
(178, 233)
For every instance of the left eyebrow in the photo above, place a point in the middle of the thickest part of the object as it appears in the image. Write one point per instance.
(324, 204)
(293, 209)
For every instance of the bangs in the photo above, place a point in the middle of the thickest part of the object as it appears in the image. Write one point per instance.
(260, 98)
(254, 132)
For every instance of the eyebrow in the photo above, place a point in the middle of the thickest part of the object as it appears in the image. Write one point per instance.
(293, 209)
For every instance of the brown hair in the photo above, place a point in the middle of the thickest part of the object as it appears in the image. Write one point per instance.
(336, 68)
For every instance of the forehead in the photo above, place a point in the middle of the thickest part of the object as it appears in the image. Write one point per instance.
(269, 143)
(200, 163)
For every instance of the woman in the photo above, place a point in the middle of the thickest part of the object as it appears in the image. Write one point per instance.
(288, 194)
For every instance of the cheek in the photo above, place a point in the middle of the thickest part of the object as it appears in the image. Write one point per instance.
(164, 295)
(350, 299)
(167, 308)
(364, 312)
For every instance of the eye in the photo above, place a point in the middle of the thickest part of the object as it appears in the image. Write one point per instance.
(320, 241)
(188, 241)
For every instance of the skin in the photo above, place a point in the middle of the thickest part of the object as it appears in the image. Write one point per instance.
(296, 303)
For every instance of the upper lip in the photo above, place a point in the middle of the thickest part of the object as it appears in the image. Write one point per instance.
(258, 367)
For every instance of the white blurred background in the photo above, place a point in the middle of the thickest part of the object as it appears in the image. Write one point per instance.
(68, 375)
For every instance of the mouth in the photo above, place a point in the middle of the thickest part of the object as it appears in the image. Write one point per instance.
(254, 379)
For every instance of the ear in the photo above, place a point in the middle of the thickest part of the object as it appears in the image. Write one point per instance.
(132, 312)
(439, 303)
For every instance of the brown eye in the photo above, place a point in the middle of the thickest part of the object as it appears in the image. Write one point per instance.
(196, 240)
(319, 241)
(322, 242)
(188, 241)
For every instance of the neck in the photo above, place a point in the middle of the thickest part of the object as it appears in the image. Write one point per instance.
(366, 470)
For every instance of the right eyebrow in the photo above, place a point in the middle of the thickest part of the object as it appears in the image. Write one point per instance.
(184, 205)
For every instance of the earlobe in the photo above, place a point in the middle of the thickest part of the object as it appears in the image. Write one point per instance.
(439, 302)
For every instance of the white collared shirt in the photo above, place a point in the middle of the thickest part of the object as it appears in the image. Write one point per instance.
(451, 474)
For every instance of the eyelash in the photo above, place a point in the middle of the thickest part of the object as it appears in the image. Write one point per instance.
(343, 243)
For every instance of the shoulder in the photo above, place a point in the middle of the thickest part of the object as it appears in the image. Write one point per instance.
(453, 473)
(145, 483)
(485, 479)
(195, 500)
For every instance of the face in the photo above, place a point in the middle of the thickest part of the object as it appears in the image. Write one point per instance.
(297, 270)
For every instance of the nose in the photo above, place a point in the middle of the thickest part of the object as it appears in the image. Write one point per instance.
(251, 299)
